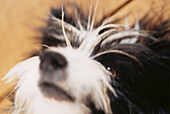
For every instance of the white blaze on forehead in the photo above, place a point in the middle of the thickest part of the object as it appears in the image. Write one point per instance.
(90, 39)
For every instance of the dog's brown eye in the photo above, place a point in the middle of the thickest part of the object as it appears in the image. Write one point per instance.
(112, 70)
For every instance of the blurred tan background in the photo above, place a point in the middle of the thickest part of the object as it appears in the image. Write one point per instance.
(18, 18)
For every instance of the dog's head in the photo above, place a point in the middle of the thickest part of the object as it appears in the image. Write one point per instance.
(84, 69)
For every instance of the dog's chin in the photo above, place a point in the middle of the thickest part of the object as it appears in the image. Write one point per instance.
(56, 100)
(53, 106)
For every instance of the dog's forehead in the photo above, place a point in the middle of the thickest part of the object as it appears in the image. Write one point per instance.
(68, 52)
(74, 56)
(78, 60)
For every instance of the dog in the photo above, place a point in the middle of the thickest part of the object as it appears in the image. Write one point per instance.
(105, 68)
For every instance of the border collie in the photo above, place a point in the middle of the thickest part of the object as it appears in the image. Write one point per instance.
(103, 68)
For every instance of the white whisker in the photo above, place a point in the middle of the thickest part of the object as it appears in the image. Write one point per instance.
(46, 46)
(110, 26)
(126, 28)
(78, 20)
(89, 17)
(107, 20)
(128, 34)
(126, 24)
(67, 26)
(65, 35)
(94, 15)
(137, 26)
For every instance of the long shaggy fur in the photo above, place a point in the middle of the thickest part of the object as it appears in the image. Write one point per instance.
(124, 70)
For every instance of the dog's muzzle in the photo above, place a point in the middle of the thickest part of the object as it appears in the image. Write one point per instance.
(53, 68)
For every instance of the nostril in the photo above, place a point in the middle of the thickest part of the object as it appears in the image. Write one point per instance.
(52, 60)
(56, 62)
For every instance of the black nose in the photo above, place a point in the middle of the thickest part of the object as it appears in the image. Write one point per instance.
(52, 61)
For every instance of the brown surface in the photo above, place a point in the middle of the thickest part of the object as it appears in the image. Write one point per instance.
(19, 17)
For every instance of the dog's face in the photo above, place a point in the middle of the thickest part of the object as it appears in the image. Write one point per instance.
(104, 69)
(65, 78)
(70, 77)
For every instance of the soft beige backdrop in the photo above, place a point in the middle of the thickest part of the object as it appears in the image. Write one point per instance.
(18, 18)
